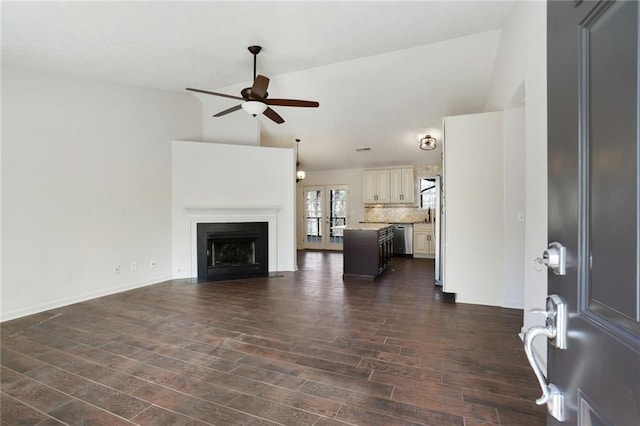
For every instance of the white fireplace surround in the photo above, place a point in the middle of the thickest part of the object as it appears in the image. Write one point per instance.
(198, 215)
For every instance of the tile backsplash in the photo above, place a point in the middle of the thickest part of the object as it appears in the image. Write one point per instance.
(396, 214)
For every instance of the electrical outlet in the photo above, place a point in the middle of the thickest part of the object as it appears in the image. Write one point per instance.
(153, 263)
(116, 269)
(134, 266)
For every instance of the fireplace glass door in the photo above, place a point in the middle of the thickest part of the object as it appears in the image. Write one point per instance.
(325, 216)
(232, 250)
(235, 252)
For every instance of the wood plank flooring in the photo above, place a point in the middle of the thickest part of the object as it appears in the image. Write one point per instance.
(303, 348)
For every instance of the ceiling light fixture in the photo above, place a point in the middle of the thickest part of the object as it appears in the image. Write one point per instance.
(428, 143)
(300, 174)
(254, 107)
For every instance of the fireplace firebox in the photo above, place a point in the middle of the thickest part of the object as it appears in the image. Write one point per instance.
(228, 251)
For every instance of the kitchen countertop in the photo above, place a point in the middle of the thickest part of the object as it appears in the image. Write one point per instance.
(369, 226)
(398, 223)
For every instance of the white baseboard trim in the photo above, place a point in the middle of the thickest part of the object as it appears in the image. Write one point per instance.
(424, 256)
(6, 316)
(513, 304)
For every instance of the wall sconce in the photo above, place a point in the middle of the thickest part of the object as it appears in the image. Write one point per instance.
(300, 174)
(428, 143)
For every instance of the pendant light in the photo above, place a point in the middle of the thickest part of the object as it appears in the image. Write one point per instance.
(300, 174)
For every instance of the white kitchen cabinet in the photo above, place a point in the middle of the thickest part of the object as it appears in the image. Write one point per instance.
(376, 186)
(423, 240)
(402, 186)
(389, 186)
(370, 186)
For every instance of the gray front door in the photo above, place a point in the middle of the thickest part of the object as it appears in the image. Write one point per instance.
(593, 83)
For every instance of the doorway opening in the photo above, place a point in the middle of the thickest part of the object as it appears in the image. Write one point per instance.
(430, 199)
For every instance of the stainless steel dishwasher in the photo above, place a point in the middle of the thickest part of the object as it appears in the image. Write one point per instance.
(403, 239)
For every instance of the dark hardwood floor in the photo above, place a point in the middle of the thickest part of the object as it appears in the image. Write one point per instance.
(300, 348)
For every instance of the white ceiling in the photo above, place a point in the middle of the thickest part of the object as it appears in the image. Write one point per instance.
(383, 72)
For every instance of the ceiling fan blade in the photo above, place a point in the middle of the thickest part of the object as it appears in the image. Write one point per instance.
(292, 103)
(216, 94)
(273, 115)
(259, 88)
(227, 111)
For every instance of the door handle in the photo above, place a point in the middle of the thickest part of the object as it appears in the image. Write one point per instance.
(555, 329)
(551, 395)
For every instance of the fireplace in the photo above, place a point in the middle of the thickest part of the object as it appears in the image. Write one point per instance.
(228, 251)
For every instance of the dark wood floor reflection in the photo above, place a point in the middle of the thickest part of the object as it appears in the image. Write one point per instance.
(300, 348)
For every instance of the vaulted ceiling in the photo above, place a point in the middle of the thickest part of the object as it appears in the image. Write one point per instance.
(384, 72)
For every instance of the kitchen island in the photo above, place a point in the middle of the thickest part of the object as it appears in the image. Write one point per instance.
(367, 250)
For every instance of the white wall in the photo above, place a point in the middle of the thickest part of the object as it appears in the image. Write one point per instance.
(522, 58)
(514, 207)
(215, 176)
(474, 177)
(86, 172)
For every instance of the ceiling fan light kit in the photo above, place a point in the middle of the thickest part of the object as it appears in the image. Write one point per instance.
(254, 107)
(255, 97)
(428, 143)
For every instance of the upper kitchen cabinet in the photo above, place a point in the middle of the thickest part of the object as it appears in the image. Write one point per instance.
(376, 186)
(402, 186)
(389, 186)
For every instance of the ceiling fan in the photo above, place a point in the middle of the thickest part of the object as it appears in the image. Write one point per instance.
(255, 97)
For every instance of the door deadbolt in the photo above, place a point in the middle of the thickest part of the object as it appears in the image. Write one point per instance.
(554, 258)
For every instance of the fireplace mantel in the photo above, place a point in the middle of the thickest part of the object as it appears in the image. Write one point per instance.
(197, 215)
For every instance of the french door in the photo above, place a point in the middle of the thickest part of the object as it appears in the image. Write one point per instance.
(325, 216)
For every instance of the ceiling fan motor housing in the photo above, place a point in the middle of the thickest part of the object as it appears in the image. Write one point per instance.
(246, 94)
